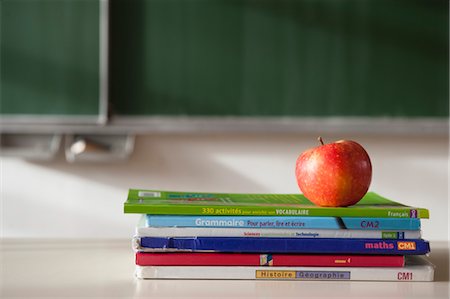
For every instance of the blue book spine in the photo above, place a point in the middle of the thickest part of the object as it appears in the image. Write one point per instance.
(287, 245)
(284, 222)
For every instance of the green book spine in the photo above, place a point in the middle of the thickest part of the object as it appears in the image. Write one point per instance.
(187, 203)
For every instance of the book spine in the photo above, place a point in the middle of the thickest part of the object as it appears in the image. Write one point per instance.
(285, 245)
(274, 233)
(239, 210)
(406, 274)
(269, 260)
(200, 203)
(284, 222)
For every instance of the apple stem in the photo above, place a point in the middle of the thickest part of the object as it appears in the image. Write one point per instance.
(320, 140)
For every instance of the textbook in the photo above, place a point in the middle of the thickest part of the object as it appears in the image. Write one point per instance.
(274, 233)
(282, 245)
(417, 268)
(160, 202)
(268, 260)
(283, 222)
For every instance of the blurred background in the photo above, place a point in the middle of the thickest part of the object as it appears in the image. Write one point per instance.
(213, 95)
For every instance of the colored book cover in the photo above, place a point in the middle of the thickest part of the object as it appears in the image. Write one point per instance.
(283, 222)
(416, 268)
(268, 260)
(283, 245)
(160, 202)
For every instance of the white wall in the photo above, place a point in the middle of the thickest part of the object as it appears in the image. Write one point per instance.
(57, 199)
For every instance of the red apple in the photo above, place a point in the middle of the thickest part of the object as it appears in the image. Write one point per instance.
(336, 174)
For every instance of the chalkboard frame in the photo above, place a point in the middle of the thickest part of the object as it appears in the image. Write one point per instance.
(342, 126)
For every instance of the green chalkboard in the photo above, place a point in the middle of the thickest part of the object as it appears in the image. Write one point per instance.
(279, 57)
(50, 57)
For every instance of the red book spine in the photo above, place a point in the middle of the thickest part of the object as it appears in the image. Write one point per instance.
(249, 259)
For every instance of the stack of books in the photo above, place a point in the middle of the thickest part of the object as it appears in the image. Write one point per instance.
(184, 235)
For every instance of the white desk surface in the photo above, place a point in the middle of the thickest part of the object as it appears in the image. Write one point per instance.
(94, 269)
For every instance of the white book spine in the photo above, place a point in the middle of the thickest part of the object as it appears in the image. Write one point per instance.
(423, 271)
(275, 232)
